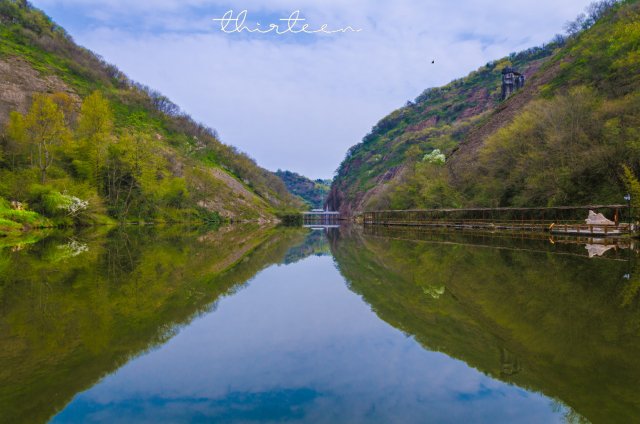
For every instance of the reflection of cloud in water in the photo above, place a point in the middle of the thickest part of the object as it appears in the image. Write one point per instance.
(273, 406)
(298, 346)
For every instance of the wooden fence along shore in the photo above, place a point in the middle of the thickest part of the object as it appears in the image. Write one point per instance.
(614, 220)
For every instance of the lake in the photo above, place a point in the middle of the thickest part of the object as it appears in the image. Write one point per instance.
(247, 324)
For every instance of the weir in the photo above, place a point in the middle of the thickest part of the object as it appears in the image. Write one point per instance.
(322, 218)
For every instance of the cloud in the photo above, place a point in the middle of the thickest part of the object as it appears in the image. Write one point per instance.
(300, 102)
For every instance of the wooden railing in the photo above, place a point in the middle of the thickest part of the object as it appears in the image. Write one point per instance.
(566, 219)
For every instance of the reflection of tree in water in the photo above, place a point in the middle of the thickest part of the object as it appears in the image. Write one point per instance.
(315, 243)
(542, 316)
(569, 416)
(67, 319)
(509, 363)
(122, 254)
(629, 295)
(434, 292)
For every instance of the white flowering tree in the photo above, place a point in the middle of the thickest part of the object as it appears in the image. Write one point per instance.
(436, 157)
(73, 205)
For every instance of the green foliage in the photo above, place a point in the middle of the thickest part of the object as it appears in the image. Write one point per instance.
(425, 187)
(562, 144)
(14, 221)
(14, 141)
(633, 186)
(606, 55)
(45, 131)
(561, 151)
(95, 126)
(439, 118)
(290, 219)
(314, 193)
(125, 147)
(78, 305)
(435, 157)
(53, 202)
(8, 227)
(543, 317)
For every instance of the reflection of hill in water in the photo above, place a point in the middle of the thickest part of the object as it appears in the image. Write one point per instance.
(544, 321)
(314, 244)
(75, 310)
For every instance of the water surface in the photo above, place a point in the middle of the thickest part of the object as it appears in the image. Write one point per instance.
(249, 324)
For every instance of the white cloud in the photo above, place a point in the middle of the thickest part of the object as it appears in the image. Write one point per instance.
(301, 105)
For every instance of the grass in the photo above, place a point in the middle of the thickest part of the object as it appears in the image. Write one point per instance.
(13, 222)
(8, 227)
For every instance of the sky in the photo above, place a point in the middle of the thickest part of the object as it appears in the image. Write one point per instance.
(299, 101)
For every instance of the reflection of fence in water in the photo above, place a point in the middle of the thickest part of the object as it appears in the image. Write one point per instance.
(612, 248)
(563, 219)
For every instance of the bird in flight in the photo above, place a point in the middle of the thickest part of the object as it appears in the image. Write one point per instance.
(433, 61)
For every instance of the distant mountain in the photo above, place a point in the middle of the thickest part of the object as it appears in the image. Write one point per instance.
(313, 192)
(564, 138)
(115, 146)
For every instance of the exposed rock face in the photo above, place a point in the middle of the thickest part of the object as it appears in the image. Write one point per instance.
(463, 162)
(337, 200)
(465, 111)
(244, 202)
(19, 82)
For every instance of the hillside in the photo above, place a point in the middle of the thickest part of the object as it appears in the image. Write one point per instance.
(562, 139)
(80, 142)
(313, 192)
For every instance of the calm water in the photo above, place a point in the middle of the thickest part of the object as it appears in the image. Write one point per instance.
(247, 324)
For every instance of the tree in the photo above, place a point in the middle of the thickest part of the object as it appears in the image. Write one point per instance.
(45, 130)
(561, 151)
(131, 168)
(15, 138)
(67, 105)
(95, 126)
(633, 186)
(425, 186)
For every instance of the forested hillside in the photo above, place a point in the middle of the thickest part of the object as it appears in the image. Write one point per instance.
(80, 142)
(313, 192)
(568, 137)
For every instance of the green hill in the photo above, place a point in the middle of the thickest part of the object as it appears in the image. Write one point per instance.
(313, 192)
(562, 139)
(81, 142)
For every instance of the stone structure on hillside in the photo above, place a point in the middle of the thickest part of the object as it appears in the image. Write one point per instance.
(512, 81)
